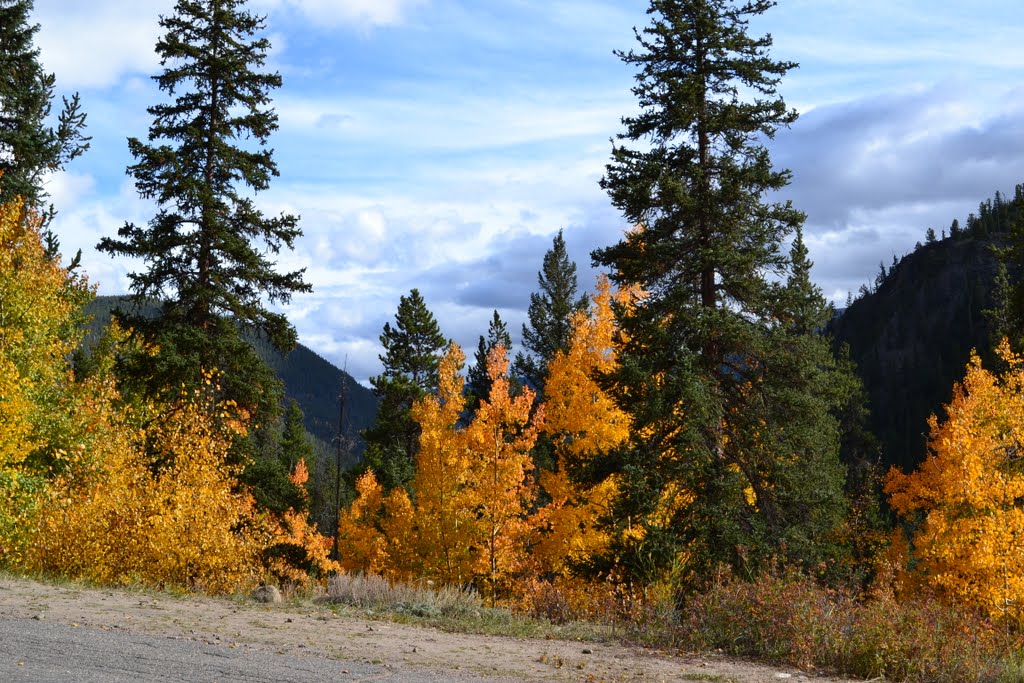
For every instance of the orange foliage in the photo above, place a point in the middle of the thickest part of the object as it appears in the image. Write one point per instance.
(499, 441)
(362, 545)
(295, 532)
(444, 503)
(969, 545)
(582, 421)
(471, 488)
(375, 533)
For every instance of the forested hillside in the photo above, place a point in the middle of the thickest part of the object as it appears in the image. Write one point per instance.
(912, 331)
(310, 380)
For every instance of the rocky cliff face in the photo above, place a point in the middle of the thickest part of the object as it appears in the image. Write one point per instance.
(912, 338)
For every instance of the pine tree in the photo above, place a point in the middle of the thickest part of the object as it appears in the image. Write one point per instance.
(478, 380)
(412, 351)
(207, 249)
(295, 444)
(29, 146)
(550, 314)
(707, 472)
(954, 230)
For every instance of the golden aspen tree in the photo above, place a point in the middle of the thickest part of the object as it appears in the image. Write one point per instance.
(298, 552)
(157, 504)
(582, 421)
(375, 534)
(965, 497)
(499, 440)
(444, 515)
(40, 304)
(363, 546)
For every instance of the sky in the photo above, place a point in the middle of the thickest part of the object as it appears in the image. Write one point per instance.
(441, 144)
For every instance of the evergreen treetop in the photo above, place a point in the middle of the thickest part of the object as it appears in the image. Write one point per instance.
(208, 250)
(30, 147)
(478, 381)
(413, 348)
(709, 351)
(550, 314)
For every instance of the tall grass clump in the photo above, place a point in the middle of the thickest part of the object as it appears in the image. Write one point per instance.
(421, 599)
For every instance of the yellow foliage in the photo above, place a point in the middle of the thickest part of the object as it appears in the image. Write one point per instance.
(499, 440)
(294, 531)
(91, 487)
(38, 304)
(582, 421)
(444, 503)
(970, 544)
(580, 416)
(362, 545)
(175, 519)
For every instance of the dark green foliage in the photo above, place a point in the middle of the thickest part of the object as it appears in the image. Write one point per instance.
(911, 339)
(729, 390)
(29, 146)
(929, 236)
(954, 230)
(550, 314)
(412, 351)
(1003, 316)
(295, 444)
(207, 250)
(996, 215)
(279, 447)
(478, 382)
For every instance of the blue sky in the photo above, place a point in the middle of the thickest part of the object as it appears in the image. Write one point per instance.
(441, 144)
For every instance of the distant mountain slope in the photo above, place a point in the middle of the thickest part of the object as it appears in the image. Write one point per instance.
(309, 379)
(911, 338)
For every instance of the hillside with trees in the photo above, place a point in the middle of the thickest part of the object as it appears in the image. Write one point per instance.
(946, 289)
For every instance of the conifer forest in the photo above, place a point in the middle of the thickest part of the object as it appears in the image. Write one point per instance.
(697, 445)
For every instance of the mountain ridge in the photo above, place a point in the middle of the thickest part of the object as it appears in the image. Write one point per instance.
(314, 382)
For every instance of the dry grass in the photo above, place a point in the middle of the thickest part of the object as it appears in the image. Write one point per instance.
(421, 599)
(792, 619)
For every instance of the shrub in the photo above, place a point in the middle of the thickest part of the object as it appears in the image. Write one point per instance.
(789, 618)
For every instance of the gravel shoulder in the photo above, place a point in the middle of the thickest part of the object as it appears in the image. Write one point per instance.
(145, 635)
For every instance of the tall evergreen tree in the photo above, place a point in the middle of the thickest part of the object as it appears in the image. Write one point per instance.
(716, 469)
(207, 248)
(29, 146)
(478, 381)
(412, 352)
(550, 311)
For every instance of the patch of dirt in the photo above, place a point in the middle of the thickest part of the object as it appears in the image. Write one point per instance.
(313, 630)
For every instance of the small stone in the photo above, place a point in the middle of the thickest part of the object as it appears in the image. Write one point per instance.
(783, 675)
(587, 651)
(267, 594)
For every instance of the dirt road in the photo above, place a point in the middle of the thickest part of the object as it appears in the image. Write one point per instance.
(96, 635)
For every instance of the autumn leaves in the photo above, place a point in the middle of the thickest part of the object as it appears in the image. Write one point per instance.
(475, 515)
(99, 485)
(964, 499)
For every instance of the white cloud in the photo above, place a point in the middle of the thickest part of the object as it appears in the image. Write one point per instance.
(360, 13)
(93, 44)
